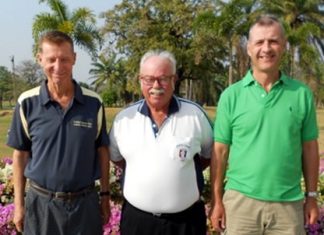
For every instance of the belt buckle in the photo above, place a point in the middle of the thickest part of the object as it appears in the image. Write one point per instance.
(157, 214)
(63, 195)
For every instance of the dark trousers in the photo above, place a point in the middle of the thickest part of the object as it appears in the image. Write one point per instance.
(192, 221)
(46, 215)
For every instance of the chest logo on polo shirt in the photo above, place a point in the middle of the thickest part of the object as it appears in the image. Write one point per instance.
(82, 124)
(182, 151)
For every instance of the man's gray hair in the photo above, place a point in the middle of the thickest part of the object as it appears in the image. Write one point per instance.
(162, 54)
(267, 20)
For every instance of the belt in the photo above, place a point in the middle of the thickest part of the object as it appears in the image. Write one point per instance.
(193, 209)
(65, 196)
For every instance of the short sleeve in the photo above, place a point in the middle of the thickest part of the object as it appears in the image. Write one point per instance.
(17, 136)
(222, 125)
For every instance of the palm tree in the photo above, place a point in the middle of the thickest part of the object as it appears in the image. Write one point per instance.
(304, 23)
(102, 70)
(80, 25)
(111, 77)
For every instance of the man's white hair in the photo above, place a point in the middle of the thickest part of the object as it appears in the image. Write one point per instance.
(162, 54)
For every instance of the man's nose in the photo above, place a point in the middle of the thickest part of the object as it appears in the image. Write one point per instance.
(156, 83)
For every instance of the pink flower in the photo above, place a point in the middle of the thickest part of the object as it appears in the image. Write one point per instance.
(112, 227)
(321, 168)
(6, 216)
(7, 160)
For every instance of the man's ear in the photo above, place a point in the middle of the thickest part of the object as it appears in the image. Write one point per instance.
(176, 77)
(75, 57)
(248, 49)
(39, 58)
(140, 82)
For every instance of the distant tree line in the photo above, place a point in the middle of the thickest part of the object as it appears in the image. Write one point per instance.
(208, 38)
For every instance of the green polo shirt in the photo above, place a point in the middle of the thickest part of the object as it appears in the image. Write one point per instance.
(265, 132)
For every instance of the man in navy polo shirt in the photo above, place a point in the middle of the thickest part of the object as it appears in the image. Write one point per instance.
(60, 144)
(164, 142)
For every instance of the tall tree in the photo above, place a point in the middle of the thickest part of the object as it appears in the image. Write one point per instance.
(5, 84)
(31, 72)
(229, 23)
(304, 24)
(79, 24)
(232, 24)
(138, 25)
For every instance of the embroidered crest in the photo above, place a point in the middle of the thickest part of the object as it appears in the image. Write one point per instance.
(182, 151)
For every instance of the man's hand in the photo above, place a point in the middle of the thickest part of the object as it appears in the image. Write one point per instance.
(18, 219)
(217, 217)
(310, 211)
(105, 208)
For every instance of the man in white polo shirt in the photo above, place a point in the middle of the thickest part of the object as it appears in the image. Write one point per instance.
(164, 142)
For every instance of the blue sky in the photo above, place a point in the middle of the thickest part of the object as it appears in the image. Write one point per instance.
(16, 18)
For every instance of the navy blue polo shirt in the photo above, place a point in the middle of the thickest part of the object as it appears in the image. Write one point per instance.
(63, 144)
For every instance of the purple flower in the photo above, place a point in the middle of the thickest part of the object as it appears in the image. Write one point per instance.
(7, 160)
(6, 216)
(318, 228)
(112, 227)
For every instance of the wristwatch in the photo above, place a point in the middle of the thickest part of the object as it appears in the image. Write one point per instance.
(313, 194)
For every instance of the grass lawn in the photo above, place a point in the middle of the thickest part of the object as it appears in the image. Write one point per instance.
(6, 116)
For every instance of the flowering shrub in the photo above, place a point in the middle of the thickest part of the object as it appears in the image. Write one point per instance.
(6, 198)
(112, 227)
(6, 215)
(318, 228)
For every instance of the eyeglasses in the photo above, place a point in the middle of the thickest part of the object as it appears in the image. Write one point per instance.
(162, 80)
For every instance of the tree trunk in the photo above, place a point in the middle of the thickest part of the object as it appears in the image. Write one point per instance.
(230, 68)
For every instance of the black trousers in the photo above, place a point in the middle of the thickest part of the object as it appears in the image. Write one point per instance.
(191, 221)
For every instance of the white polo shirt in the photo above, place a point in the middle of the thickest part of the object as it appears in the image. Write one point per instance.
(160, 174)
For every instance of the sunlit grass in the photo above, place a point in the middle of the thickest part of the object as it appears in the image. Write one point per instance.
(6, 116)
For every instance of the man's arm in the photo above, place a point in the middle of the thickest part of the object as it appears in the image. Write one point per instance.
(104, 182)
(217, 172)
(20, 160)
(310, 172)
(204, 162)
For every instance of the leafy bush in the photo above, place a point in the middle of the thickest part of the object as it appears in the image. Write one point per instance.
(109, 97)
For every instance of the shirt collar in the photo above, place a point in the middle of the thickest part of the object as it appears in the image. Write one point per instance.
(249, 79)
(45, 97)
(173, 107)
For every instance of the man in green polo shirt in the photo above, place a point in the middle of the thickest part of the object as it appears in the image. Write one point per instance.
(265, 140)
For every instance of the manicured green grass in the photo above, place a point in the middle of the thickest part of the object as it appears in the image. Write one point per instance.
(5, 120)
(6, 116)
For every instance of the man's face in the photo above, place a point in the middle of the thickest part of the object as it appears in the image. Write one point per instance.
(265, 47)
(57, 61)
(157, 82)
